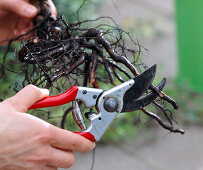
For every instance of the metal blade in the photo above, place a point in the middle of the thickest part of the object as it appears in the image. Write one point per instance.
(141, 85)
(143, 100)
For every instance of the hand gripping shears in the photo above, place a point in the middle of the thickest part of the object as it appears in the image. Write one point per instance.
(126, 97)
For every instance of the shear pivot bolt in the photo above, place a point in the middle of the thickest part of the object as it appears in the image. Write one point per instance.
(84, 92)
(111, 104)
(94, 96)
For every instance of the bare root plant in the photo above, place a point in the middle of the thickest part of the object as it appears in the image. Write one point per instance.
(57, 54)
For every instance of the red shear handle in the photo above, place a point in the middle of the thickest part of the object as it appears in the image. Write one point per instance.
(87, 135)
(58, 100)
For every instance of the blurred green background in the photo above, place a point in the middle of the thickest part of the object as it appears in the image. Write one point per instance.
(172, 31)
(190, 40)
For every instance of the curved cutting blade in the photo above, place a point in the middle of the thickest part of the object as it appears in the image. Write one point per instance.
(143, 100)
(141, 85)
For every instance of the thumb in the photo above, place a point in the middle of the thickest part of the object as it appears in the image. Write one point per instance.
(20, 7)
(25, 98)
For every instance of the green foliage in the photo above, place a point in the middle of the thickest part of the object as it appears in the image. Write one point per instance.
(190, 103)
(125, 125)
(123, 128)
(87, 9)
(8, 78)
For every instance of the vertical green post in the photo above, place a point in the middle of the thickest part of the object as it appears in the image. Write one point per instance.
(189, 14)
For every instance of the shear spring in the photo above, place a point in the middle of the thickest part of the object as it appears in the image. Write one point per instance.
(77, 116)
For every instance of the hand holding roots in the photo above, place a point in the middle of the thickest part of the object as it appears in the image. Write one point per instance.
(70, 52)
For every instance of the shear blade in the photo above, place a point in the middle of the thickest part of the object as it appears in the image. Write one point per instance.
(141, 85)
(143, 100)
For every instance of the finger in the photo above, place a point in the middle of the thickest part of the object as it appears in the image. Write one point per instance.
(23, 26)
(25, 98)
(59, 158)
(67, 140)
(53, 8)
(19, 7)
(47, 167)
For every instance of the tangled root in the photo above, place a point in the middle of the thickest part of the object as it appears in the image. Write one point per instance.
(57, 54)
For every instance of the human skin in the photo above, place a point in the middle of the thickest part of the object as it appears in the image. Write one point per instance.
(16, 18)
(28, 142)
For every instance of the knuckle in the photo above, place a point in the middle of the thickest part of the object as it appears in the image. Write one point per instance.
(44, 155)
(74, 144)
(44, 135)
(69, 161)
(16, 101)
(12, 103)
(31, 87)
(47, 158)
(80, 144)
(43, 138)
(9, 102)
(41, 159)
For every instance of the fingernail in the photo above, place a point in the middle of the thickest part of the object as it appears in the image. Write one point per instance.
(30, 11)
(45, 92)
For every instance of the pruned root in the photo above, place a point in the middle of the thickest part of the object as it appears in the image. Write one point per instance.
(69, 53)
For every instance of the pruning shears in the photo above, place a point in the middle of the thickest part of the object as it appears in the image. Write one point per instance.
(126, 97)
